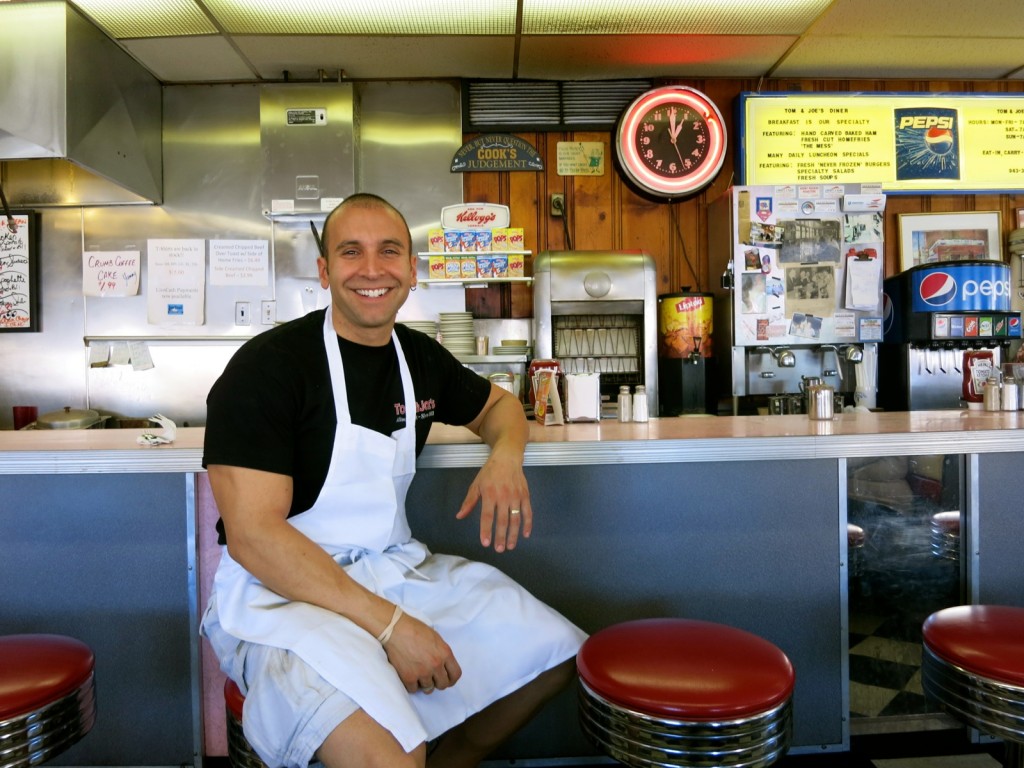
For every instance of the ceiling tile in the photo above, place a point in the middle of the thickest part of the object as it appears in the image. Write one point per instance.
(365, 17)
(144, 18)
(924, 18)
(373, 58)
(891, 57)
(190, 59)
(612, 56)
(661, 17)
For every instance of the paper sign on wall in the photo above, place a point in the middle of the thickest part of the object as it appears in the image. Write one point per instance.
(111, 273)
(239, 262)
(176, 287)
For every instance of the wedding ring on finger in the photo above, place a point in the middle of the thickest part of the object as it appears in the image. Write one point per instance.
(514, 512)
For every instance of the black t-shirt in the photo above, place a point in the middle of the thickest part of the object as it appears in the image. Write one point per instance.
(272, 408)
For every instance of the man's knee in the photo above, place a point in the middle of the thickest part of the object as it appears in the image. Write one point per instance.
(361, 742)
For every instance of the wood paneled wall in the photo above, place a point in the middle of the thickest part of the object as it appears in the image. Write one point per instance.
(604, 213)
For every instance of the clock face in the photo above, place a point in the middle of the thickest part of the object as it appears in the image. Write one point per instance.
(671, 141)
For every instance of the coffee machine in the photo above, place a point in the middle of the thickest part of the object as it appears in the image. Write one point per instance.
(940, 317)
(800, 298)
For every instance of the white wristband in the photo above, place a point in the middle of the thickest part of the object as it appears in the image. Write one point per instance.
(384, 636)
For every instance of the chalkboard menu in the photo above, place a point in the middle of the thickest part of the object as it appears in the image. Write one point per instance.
(19, 246)
(907, 142)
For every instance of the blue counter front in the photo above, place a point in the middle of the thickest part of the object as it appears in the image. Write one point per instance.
(740, 520)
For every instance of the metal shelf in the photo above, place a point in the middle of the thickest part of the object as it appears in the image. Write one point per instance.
(475, 282)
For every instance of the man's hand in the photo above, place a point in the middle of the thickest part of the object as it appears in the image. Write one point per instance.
(421, 657)
(500, 485)
(505, 511)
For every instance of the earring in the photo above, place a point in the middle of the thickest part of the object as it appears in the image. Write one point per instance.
(413, 287)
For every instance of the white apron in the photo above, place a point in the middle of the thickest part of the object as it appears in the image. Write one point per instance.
(501, 635)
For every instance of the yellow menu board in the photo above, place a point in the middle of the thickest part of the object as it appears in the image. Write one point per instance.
(907, 142)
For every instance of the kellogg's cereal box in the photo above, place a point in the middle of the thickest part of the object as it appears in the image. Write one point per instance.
(435, 240)
(499, 265)
(483, 240)
(453, 267)
(516, 265)
(483, 264)
(467, 266)
(515, 238)
(452, 240)
(499, 239)
(467, 240)
(436, 267)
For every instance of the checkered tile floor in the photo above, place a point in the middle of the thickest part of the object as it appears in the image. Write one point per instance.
(885, 667)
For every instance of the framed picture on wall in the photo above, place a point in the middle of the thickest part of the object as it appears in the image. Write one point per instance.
(19, 277)
(928, 238)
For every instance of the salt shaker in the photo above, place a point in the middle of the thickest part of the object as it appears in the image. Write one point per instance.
(991, 398)
(625, 404)
(1011, 395)
(640, 403)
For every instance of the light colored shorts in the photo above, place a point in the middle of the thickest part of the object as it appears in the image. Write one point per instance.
(289, 708)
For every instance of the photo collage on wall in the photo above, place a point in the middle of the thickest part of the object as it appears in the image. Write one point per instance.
(807, 270)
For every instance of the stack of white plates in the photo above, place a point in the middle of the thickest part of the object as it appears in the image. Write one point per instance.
(428, 327)
(511, 347)
(457, 332)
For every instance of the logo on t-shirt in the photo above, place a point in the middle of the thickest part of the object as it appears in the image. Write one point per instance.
(424, 410)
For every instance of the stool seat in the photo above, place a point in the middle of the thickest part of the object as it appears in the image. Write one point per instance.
(663, 667)
(47, 697)
(40, 669)
(684, 692)
(987, 640)
(972, 666)
(240, 751)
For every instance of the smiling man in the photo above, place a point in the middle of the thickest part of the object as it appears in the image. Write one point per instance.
(353, 643)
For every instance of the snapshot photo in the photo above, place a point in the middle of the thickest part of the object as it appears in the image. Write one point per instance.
(753, 294)
(810, 241)
(807, 326)
(862, 227)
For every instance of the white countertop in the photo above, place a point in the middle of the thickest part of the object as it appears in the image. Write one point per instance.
(689, 439)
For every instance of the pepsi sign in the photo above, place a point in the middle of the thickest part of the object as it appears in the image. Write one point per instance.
(974, 286)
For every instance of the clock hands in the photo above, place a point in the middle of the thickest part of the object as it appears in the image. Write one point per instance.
(673, 132)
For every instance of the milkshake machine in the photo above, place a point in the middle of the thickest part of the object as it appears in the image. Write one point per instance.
(800, 301)
(945, 323)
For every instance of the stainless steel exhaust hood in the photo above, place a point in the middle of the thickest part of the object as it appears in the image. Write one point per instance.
(80, 120)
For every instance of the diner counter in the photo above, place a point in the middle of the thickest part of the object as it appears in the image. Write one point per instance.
(690, 516)
(668, 440)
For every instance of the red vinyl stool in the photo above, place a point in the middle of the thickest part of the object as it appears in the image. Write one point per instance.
(973, 668)
(240, 752)
(946, 535)
(47, 697)
(681, 692)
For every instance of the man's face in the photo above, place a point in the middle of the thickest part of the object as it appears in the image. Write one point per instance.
(369, 267)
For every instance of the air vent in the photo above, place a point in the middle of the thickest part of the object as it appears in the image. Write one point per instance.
(547, 105)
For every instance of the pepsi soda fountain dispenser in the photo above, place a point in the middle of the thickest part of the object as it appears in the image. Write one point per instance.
(937, 319)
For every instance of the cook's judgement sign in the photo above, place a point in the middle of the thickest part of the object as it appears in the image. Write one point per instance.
(908, 142)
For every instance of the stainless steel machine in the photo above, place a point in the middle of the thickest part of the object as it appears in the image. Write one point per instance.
(800, 299)
(596, 311)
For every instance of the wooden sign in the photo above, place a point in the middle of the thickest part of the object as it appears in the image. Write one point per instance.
(497, 152)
